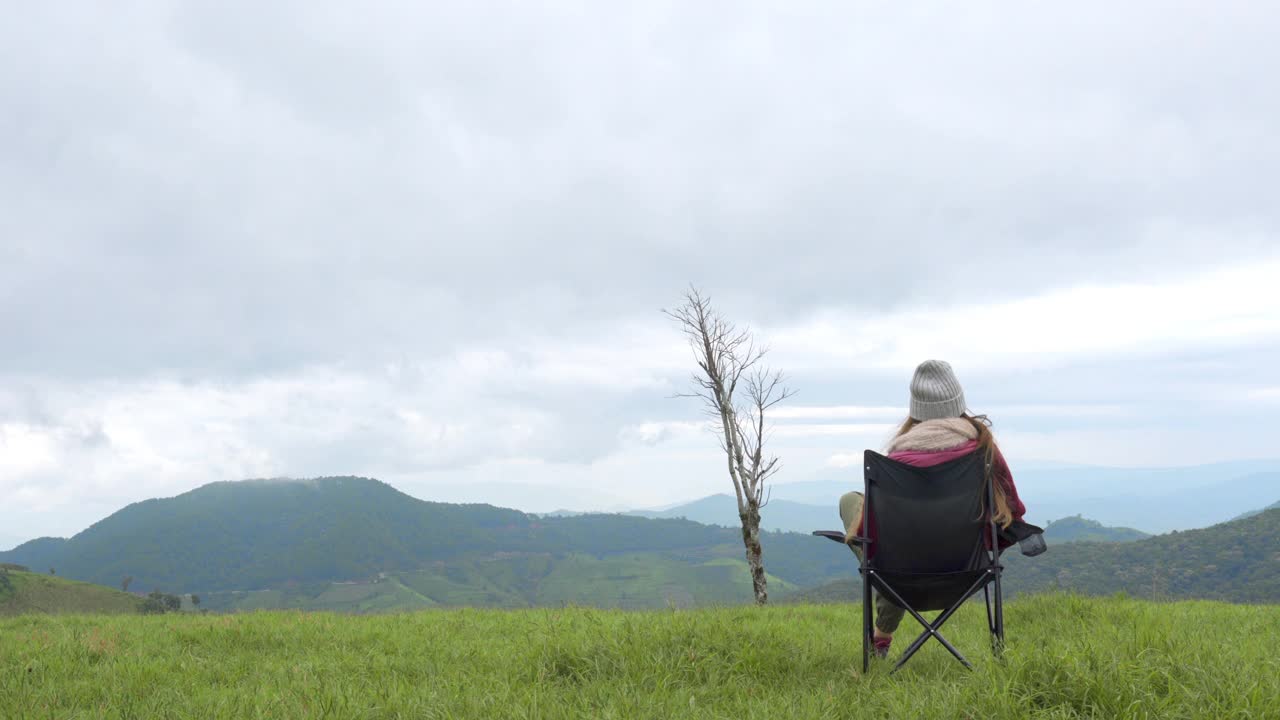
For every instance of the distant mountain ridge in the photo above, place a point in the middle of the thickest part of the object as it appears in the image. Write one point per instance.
(1153, 500)
(351, 543)
(777, 515)
(787, 516)
(1235, 561)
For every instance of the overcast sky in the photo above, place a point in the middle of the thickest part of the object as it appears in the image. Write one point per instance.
(429, 242)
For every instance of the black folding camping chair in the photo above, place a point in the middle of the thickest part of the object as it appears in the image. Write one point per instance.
(934, 546)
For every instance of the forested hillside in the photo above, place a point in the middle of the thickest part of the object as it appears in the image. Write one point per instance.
(357, 544)
(1237, 561)
(297, 537)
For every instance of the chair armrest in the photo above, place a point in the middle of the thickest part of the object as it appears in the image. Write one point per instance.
(839, 537)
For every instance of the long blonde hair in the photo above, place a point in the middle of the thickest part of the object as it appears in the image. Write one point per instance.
(987, 445)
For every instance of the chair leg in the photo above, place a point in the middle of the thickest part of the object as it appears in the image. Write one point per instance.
(991, 620)
(999, 624)
(930, 628)
(866, 623)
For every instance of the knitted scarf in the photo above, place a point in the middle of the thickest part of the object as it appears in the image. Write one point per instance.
(932, 435)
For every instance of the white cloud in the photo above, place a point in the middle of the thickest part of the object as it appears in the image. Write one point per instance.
(576, 407)
(1059, 411)
(1137, 446)
(653, 433)
(1232, 305)
(1264, 394)
(429, 241)
(844, 460)
(854, 412)
(836, 412)
(326, 186)
(831, 429)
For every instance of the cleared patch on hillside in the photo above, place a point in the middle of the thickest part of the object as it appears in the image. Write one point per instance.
(27, 592)
(626, 581)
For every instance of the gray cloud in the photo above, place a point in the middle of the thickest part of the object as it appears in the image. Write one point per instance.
(196, 190)
(415, 240)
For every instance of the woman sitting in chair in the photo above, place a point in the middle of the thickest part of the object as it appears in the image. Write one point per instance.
(939, 430)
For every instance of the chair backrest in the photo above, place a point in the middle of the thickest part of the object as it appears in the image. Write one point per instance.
(927, 520)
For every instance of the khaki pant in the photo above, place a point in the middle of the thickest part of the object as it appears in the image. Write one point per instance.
(888, 615)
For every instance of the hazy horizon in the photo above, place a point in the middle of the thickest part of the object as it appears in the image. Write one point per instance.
(429, 244)
(534, 504)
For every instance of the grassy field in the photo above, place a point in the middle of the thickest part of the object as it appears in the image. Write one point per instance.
(1067, 657)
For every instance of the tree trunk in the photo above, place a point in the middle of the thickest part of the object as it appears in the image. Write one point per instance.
(755, 553)
(729, 359)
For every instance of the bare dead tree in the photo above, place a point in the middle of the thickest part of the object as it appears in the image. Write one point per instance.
(737, 392)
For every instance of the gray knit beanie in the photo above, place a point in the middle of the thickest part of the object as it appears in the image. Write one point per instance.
(935, 392)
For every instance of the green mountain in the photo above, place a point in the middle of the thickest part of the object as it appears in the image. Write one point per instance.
(1236, 561)
(1080, 529)
(29, 592)
(40, 554)
(355, 543)
(254, 533)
